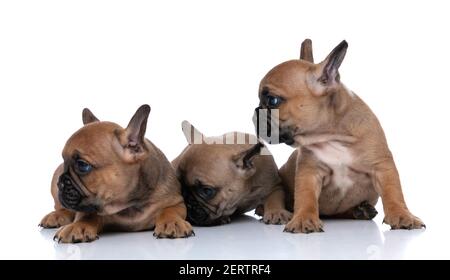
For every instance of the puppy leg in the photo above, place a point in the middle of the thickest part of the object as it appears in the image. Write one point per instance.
(171, 223)
(85, 229)
(59, 217)
(308, 184)
(274, 211)
(387, 183)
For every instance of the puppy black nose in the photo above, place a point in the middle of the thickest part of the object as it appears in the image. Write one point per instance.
(196, 215)
(286, 138)
(68, 194)
(262, 119)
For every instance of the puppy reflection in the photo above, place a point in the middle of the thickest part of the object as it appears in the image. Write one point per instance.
(226, 176)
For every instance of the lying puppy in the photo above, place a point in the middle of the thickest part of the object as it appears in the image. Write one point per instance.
(343, 163)
(113, 178)
(221, 179)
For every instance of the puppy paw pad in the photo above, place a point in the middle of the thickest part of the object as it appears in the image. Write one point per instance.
(173, 229)
(76, 233)
(403, 220)
(55, 219)
(306, 224)
(364, 211)
(277, 217)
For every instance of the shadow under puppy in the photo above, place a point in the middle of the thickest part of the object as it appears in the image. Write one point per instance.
(115, 179)
(342, 163)
(226, 176)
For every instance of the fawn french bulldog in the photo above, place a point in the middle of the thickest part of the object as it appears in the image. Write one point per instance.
(115, 179)
(226, 176)
(342, 163)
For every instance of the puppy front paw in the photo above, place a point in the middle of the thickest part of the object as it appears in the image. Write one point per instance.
(77, 232)
(304, 223)
(364, 211)
(259, 210)
(224, 220)
(402, 219)
(57, 219)
(178, 228)
(277, 217)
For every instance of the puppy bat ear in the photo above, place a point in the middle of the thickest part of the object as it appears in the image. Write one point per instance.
(133, 138)
(88, 116)
(192, 134)
(330, 66)
(244, 160)
(137, 126)
(306, 52)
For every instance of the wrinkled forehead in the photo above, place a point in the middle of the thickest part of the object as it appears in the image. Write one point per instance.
(208, 155)
(289, 74)
(92, 139)
(207, 161)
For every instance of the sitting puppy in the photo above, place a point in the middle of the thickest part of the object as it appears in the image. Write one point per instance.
(343, 163)
(227, 176)
(113, 178)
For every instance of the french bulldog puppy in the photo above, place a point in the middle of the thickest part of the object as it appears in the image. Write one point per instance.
(115, 179)
(226, 176)
(342, 163)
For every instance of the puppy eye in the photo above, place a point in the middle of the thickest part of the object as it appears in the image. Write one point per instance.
(273, 101)
(206, 193)
(82, 167)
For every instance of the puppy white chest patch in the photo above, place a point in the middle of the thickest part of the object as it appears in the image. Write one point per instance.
(338, 158)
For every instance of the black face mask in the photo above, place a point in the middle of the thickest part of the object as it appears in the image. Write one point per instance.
(71, 196)
(277, 137)
(268, 123)
(196, 214)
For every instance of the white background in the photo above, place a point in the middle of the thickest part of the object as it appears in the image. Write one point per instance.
(202, 61)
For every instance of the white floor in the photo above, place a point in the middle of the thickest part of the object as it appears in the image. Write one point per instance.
(244, 238)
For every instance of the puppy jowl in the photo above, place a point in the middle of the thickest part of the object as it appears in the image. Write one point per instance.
(113, 178)
(342, 163)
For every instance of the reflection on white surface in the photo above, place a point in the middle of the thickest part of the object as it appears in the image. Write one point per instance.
(247, 238)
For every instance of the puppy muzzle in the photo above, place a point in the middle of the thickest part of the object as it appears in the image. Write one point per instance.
(196, 213)
(71, 196)
(267, 127)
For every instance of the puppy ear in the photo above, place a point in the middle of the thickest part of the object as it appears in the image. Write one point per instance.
(330, 66)
(193, 135)
(137, 126)
(306, 52)
(244, 160)
(88, 116)
(133, 138)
